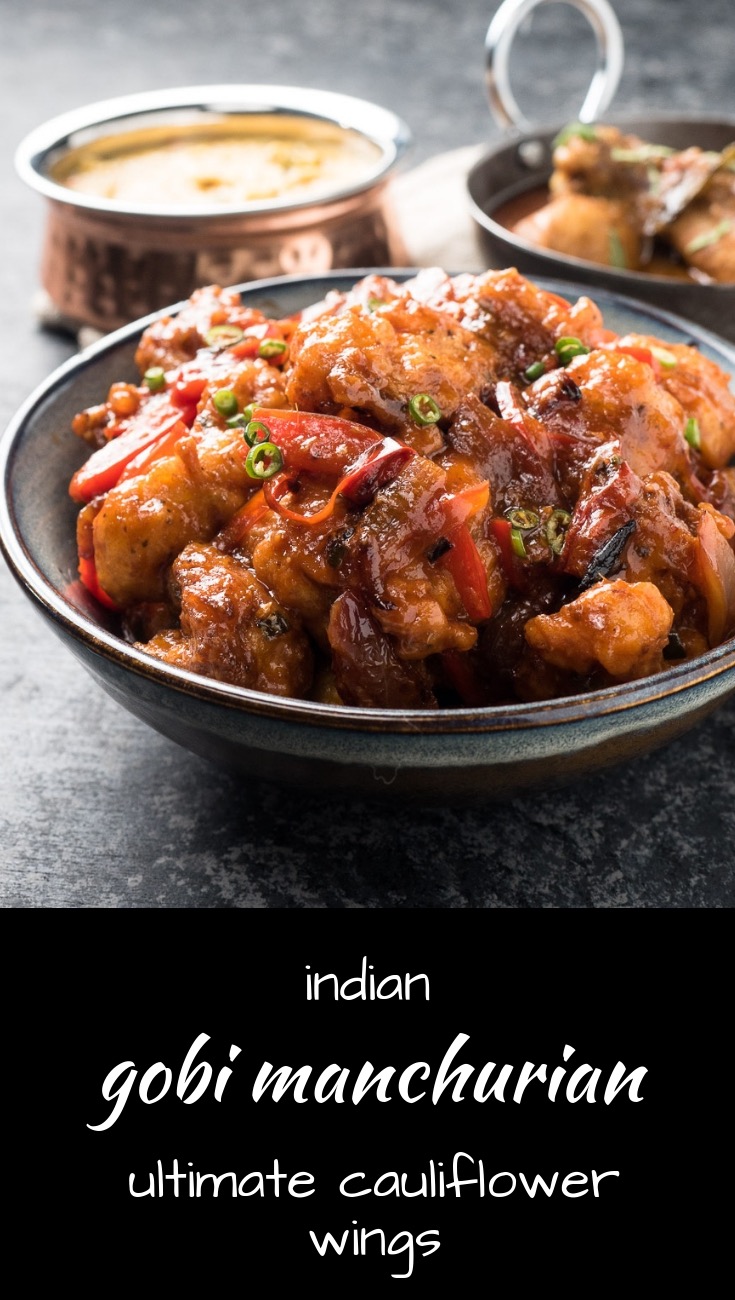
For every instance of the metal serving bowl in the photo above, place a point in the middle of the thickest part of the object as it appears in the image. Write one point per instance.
(446, 754)
(106, 263)
(523, 164)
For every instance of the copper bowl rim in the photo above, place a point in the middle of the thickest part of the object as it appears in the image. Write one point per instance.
(379, 125)
(82, 629)
(564, 263)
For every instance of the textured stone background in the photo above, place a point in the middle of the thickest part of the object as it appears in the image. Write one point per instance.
(98, 811)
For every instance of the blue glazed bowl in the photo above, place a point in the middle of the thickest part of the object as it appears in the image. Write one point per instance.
(451, 754)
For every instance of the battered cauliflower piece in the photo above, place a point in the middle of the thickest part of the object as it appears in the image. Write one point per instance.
(620, 626)
(233, 628)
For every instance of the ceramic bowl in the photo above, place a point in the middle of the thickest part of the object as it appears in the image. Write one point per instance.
(457, 754)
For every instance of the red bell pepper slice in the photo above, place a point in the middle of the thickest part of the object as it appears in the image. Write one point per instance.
(317, 444)
(249, 346)
(509, 561)
(461, 676)
(513, 410)
(187, 389)
(599, 512)
(105, 466)
(88, 575)
(240, 524)
(464, 563)
(376, 467)
(155, 450)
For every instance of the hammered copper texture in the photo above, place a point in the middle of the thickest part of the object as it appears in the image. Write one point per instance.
(105, 270)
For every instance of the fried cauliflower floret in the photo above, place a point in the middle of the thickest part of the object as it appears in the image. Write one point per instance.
(622, 399)
(144, 522)
(581, 225)
(173, 339)
(703, 392)
(620, 626)
(704, 233)
(233, 628)
(375, 362)
(518, 320)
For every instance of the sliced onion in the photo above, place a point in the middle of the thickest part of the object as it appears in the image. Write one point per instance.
(715, 578)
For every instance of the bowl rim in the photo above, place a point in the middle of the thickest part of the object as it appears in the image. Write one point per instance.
(88, 635)
(562, 261)
(381, 126)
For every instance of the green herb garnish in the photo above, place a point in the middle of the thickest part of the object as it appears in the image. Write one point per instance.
(692, 433)
(568, 348)
(424, 410)
(263, 460)
(581, 129)
(155, 378)
(710, 237)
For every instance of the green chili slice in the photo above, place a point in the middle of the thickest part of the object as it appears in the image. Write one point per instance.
(155, 378)
(424, 410)
(568, 348)
(556, 529)
(517, 542)
(692, 433)
(581, 129)
(223, 336)
(256, 433)
(534, 371)
(616, 251)
(523, 519)
(374, 303)
(712, 236)
(663, 356)
(271, 348)
(226, 402)
(263, 460)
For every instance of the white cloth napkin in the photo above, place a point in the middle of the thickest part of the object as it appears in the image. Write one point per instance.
(433, 212)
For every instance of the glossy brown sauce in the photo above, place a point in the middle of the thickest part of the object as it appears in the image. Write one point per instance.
(663, 260)
(246, 159)
(508, 214)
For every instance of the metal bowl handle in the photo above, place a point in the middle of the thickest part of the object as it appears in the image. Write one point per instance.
(498, 42)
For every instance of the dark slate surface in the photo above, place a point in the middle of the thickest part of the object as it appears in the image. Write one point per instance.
(98, 811)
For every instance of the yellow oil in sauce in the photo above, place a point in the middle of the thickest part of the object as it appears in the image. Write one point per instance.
(243, 160)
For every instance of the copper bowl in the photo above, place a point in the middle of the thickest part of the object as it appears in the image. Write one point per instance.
(105, 262)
